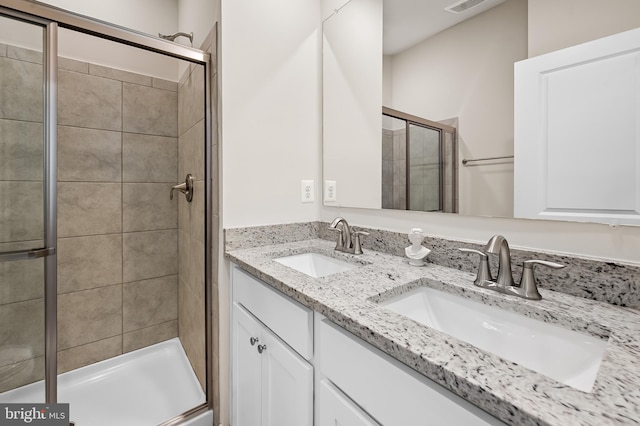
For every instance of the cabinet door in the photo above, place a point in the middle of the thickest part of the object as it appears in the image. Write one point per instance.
(287, 385)
(335, 409)
(246, 403)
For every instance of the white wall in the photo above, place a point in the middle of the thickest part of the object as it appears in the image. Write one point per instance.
(147, 16)
(352, 97)
(196, 16)
(466, 71)
(329, 7)
(270, 125)
(270, 117)
(557, 24)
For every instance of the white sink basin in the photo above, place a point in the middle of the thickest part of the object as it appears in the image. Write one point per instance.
(566, 356)
(314, 264)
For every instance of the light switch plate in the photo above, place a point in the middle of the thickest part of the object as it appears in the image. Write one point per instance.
(330, 191)
(307, 191)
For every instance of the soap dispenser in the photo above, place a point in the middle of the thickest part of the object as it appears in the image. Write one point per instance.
(416, 252)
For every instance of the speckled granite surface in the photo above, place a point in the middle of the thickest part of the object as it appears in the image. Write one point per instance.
(609, 282)
(514, 394)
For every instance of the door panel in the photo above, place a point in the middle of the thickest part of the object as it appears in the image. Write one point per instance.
(287, 385)
(21, 204)
(335, 409)
(246, 369)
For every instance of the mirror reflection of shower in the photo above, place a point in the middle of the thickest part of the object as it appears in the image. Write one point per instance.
(418, 164)
(173, 37)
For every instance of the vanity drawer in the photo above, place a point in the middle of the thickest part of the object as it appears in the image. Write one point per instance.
(288, 319)
(386, 389)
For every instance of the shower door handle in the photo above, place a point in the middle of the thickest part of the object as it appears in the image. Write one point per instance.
(26, 254)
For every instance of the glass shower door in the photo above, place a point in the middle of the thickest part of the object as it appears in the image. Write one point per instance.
(23, 197)
(425, 168)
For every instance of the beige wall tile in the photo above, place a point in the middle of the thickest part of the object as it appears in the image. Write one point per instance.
(148, 158)
(20, 374)
(196, 268)
(196, 208)
(165, 84)
(191, 323)
(120, 75)
(73, 65)
(22, 331)
(184, 214)
(149, 111)
(89, 155)
(146, 207)
(21, 150)
(89, 208)
(191, 100)
(27, 55)
(148, 336)
(80, 356)
(21, 211)
(89, 262)
(150, 302)
(150, 254)
(21, 93)
(21, 280)
(89, 101)
(89, 315)
(184, 256)
(191, 152)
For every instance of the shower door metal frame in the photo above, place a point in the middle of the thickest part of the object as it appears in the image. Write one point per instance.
(52, 18)
(442, 129)
(50, 172)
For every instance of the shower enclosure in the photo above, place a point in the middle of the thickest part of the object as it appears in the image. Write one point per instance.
(418, 163)
(100, 270)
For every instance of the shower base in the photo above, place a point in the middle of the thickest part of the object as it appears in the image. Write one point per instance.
(143, 387)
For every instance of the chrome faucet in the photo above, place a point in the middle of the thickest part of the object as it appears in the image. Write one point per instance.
(499, 245)
(348, 241)
(527, 288)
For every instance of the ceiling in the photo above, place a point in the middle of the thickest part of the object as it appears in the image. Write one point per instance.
(407, 22)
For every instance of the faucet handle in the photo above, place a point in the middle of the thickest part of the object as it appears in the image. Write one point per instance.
(340, 241)
(357, 247)
(528, 282)
(484, 273)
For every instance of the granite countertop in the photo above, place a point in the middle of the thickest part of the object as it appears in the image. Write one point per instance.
(512, 393)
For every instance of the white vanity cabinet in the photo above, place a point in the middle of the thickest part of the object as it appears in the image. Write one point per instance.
(335, 408)
(272, 384)
(387, 390)
(280, 348)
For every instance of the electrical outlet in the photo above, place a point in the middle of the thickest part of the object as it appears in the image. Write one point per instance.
(307, 189)
(330, 191)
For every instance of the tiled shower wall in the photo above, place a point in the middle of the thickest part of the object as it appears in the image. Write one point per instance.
(394, 169)
(117, 228)
(21, 142)
(191, 234)
(422, 173)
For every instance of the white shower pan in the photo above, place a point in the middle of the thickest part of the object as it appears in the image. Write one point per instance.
(143, 387)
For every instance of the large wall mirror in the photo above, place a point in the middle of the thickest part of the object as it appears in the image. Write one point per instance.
(445, 62)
